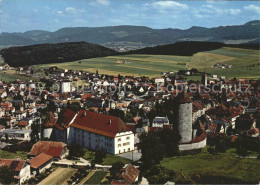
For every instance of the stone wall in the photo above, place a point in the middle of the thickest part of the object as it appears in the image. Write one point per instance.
(192, 146)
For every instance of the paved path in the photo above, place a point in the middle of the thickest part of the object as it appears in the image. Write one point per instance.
(134, 155)
(82, 162)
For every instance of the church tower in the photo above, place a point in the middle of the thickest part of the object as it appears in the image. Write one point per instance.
(204, 79)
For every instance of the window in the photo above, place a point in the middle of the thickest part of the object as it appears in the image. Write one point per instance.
(119, 139)
(127, 138)
(119, 145)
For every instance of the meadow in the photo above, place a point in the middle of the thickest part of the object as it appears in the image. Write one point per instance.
(224, 165)
(137, 65)
(245, 63)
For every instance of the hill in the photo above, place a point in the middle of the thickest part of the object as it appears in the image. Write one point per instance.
(141, 35)
(189, 48)
(53, 53)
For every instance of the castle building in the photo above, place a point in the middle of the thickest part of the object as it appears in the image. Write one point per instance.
(184, 116)
(101, 132)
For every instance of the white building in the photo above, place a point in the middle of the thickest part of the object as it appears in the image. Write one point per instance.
(20, 169)
(160, 121)
(101, 132)
(65, 87)
(17, 134)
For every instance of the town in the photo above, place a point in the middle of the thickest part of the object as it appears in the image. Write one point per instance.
(111, 129)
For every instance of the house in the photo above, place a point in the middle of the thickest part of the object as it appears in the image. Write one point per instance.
(20, 169)
(17, 134)
(65, 87)
(159, 80)
(23, 125)
(40, 163)
(58, 150)
(160, 121)
(129, 175)
(94, 102)
(62, 126)
(48, 125)
(101, 132)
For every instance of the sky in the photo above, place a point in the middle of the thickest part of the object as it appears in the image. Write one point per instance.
(51, 15)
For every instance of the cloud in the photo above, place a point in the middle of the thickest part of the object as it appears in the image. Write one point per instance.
(169, 5)
(101, 2)
(234, 11)
(59, 12)
(74, 10)
(209, 8)
(253, 8)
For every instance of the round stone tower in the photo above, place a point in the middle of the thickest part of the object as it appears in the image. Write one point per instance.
(184, 116)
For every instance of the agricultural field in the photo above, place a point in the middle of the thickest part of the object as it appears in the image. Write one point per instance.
(137, 65)
(11, 75)
(59, 176)
(245, 63)
(223, 165)
(97, 177)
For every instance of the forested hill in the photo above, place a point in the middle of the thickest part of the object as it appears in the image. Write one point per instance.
(233, 34)
(189, 48)
(53, 53)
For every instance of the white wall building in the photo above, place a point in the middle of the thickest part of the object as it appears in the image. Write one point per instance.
(101, 132)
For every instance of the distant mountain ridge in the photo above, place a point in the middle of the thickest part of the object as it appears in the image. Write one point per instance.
(237, 34)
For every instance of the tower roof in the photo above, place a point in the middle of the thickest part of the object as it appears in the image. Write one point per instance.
(183, 97)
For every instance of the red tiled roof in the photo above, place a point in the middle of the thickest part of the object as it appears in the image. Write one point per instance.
(22, 123)
(39, 160)
(128, 176)
(49, 147)
(14, 164)
(65, 119)
(54, 151)
(99, 123)
(51, 121)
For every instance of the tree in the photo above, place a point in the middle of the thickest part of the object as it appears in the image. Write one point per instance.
(76, 151)
(99, 155)
(6, 138)
(6, 175)
(115, 169)
(158, 144)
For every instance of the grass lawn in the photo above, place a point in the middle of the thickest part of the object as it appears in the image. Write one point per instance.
(109, 160)
(221, 165)
(97, 177)
(10, 155)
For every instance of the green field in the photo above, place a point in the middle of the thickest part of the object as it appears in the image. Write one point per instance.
(220, 165)
(97, 177)
(148, 65)
(11, 155)
(245, 63)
